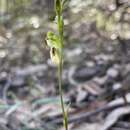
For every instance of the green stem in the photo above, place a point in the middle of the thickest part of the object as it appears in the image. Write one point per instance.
(60, 68)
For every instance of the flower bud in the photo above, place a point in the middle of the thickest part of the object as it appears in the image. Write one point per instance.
(58, 7)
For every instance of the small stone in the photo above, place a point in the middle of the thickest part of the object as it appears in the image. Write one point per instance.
(116, 86)
(84, 74)
(100, 80)
(112, 73)
(90, 64)
(81, 95)
(3, 77)
(104, 57)
(128, 67)
(117, 66)
(74, 55)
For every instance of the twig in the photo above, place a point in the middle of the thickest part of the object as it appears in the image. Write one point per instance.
(123, 124)
(117, 128)
(85, 116)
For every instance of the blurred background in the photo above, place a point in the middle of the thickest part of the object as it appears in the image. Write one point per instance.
(96, 65)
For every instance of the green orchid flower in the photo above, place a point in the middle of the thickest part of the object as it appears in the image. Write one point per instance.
(53, 42)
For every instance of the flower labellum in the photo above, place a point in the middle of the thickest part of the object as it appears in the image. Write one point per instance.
(55, 56)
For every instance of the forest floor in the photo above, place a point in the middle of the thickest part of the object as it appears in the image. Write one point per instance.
(96, 77)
